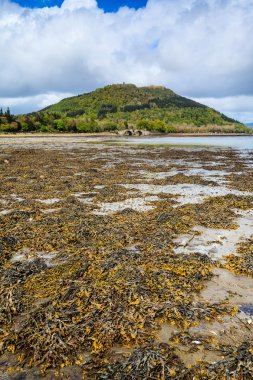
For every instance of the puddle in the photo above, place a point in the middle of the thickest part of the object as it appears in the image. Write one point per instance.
(216, 242)
(50, 201)
(237, 291)
(227, 286)
(218, 176)
(3, 201)
(166, 333)
(201, 354)
(137, 204)
(25, 254)
(188, 193)
(227, 330)
(230, 330)
(246, 309)
(50, 210)
(185, 352)
(155, 175)
(81, 194)
(86, 201)
(17, 198)
(5, 212)
(22, 255)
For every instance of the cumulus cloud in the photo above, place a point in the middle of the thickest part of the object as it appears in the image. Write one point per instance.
(237, 107)
(26, 104)
(199, 48)
(73, 5)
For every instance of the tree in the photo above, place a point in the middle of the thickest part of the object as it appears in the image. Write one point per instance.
(8, 115)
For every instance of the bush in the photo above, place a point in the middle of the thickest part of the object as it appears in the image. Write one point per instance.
(159, 126)
(143, 124)
(110, 126)
(60, 125)
(83, 128)
(44, 128)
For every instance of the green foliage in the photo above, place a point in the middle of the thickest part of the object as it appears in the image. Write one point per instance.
(60, 125)
(13, 127)
(124, 106)
(154, 108)
(25, 127)
(109, 126)
(242, 129)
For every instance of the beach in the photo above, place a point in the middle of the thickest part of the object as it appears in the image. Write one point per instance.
(124, 258)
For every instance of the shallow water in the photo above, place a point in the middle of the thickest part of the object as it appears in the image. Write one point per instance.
(217, 242)
(137, 204)
(186, 193)
(56, 142)
(235, 142)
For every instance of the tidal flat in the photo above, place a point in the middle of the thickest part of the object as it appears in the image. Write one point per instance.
(125, 262)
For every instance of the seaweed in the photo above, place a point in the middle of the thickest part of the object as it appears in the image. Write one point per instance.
(242, 262)
(74, 285)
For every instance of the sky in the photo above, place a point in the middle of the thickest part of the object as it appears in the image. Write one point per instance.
(202, 49)
(106, 5)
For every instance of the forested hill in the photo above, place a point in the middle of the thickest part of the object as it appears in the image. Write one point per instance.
(123, 98)
(154, 108)
(126, 106)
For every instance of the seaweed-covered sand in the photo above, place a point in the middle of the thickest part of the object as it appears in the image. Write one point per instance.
(122, 262)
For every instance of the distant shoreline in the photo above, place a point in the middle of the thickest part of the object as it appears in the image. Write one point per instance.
(108, 134)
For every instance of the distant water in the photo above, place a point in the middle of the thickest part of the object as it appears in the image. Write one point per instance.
(47, 141)
(234, 142)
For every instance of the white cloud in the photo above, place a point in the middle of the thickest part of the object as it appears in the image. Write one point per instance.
(28, 104)
(237, 107)
(199, 48)
(73, 5)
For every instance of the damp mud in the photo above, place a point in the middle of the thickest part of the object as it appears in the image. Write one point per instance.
(124, 262)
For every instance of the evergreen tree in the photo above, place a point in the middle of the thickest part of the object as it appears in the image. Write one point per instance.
(8, 115)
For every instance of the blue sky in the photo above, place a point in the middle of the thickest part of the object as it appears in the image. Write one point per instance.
(201, 49)
(107, 5)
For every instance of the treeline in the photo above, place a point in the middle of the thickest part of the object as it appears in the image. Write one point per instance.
(183, 115)
(54, 122)
(193, 120)
(6, 116)
(123, 106)
(8, 122)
